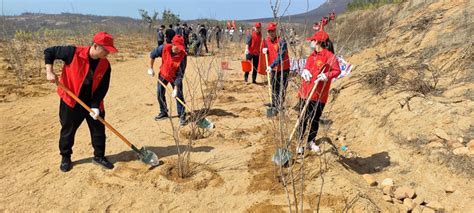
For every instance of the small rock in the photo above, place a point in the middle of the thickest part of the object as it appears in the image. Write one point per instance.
(404, 192)
(460, 140)
(416, 209)
(387, 182)
(449, 189)
(435, 205)
(388, 190)
(435, 145)
(397, 201)
(387, 198)
(456, 145)
(408, 203)
(425, 209)
(461, 151)
(370, 179)
(470, 145)
(419, 200)
(441, 134)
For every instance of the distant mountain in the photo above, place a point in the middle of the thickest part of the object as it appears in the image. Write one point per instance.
(338, 6)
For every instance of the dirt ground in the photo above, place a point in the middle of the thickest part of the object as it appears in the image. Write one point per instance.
(232, 164)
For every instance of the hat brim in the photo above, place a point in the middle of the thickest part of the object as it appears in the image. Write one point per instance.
(111, 49)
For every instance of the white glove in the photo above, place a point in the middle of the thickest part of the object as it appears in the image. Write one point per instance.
(322, 77)
(306, 75)
(265, 50)
(95, 114)
(246, 52)
(151, 72)
(269, 69)
(174, 93)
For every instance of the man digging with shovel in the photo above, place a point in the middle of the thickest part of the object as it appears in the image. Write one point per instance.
(86, 72)
(172, 70)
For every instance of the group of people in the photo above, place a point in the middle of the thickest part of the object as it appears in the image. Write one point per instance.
(321, 67)
(86, 72)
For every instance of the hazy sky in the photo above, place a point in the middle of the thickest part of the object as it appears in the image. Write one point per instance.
(187, 9)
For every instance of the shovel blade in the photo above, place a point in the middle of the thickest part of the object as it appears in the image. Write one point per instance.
(271, 111)
(205, 124)
(148, 157)
(281, 156)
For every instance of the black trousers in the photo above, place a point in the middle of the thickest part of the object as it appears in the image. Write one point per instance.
(279, 83)
(254, 59)
(71, 119)
(311, 117)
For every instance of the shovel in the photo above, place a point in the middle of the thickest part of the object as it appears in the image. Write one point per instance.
(145, 155)
(202, 123)
(271, 111)
(282, 155)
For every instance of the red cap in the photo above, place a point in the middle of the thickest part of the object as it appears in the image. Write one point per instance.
(258, 24)
(104, 39)
(179, 42)
(319, 36)
(271, 26)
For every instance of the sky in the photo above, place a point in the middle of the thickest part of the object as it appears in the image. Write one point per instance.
(186, 9)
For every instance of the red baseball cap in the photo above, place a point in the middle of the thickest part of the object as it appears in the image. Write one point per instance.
(271, 26)
(258, 24)
(319, 36)
(104, 39)
(178, 41)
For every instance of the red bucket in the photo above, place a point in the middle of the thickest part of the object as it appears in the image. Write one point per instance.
(224, 65)
(246, 66)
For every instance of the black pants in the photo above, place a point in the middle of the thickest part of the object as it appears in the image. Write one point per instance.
(161, 96)
(311, 117)
(279, 83)
(254, 59)
(218, 42)
(71, 119)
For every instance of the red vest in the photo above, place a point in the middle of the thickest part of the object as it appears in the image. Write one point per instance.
(170, 64)
(256, 45)
(273, 48)
(314, 64)
(73, 75)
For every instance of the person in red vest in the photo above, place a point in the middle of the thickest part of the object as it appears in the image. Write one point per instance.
(252, 50)
(278, 65)
(86, 72)
(173, 66)
(319, 57)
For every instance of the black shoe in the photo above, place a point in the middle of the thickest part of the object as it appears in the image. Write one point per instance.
(161, 116)
(103, 162)
(182, 120)
(254, 82)
(66, 164)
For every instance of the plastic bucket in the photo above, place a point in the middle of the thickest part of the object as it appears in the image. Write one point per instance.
(246, 66)
(224, 65)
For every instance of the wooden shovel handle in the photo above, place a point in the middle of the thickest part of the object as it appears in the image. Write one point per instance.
(268, 78)
(178, 99)
(70, 93)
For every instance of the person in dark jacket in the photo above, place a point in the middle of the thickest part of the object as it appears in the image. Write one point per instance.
(169, 34)
(86, 72)
(161, 35)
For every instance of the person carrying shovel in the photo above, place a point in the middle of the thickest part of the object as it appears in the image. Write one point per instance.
(321, 66)
(278, 64)
(252, 50)
(86, 72)
(172, 71)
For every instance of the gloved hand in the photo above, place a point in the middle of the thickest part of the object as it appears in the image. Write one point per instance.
(151, 72)
(246, 51)
(265, 50)
(306, 75)
(322, 77)
(269, 69)
(175, 92)
(95, 114)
